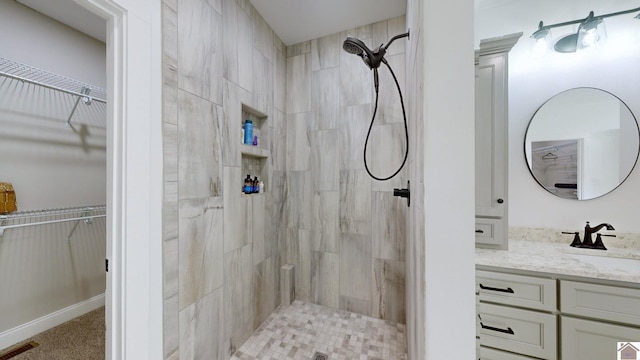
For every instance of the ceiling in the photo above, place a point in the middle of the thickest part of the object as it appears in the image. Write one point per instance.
(293, 21)
(71, 14)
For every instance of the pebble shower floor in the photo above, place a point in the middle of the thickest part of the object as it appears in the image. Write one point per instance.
(302, 330)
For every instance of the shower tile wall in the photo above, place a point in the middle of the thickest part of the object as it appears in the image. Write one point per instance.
(220, 248)
(345, 231)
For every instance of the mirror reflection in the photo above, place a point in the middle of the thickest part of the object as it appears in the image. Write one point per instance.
(582, 143)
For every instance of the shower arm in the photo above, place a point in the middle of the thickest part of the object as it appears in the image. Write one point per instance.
(395, 38)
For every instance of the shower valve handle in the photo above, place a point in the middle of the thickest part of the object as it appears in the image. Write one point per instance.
(405, 193)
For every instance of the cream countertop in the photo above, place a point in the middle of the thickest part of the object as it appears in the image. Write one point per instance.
(552, 254)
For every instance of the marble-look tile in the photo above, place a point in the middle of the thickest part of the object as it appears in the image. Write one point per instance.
(356, 79)
(296, 249)
(298, 84)
(287, 284)
(362, 32)
(169, 35)
(262, 82)
(355, 266)
(170, 79)
(298, 200)
(199, 147)
(388, 226)
(325, 102)
(170, 211)
(171, 325)
(278, 145)
(238, 226)
(200, 49)
(245, 48)
(324, 160)
(385, 153)
(354, 124)
(215, 4)
(379, 34)
(326, 221)
(397, 26)
(355, 305)
(389, 105)
(303, 281)
(258, 216)
(299, 49)
(173, 356)
(200, 248)
(325, 52)
(230, 34)
(388, 297)
(246, 6)
(262, 36)
(170, 151)
(173, 4)
(355, 202)
(278, 44)
(298, 142)
(200, 324)
(170, 274)
(266, 282)
(239, 296)
(280, 80)
(325, 279)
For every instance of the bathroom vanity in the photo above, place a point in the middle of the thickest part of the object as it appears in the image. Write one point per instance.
(546, 300)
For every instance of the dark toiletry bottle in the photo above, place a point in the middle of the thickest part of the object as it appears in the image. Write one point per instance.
(256, 185)
(248, 185)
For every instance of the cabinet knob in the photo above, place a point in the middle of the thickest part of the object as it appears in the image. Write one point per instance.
(500, 201)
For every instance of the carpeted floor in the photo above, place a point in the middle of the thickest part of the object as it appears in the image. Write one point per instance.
(79, 339)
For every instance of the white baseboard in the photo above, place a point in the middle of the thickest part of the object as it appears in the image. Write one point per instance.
(34, 327)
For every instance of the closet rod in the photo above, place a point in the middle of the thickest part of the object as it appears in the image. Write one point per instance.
(89, 217)
(35, 82)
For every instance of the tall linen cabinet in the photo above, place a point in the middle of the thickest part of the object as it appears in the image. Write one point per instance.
(491, 108)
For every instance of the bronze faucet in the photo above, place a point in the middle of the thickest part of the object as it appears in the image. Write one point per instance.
(588, 230)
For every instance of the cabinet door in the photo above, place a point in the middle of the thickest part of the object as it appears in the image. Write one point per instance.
(585, 339)
(491, 135)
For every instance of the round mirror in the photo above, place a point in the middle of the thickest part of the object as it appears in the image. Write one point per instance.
(582, 143)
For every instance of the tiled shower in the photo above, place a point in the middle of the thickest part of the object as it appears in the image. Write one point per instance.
(343, 232)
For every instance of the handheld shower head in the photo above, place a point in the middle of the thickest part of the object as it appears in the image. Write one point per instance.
(357, 47)
(354, 46)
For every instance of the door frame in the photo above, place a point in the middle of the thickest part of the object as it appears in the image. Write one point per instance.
(133, 296)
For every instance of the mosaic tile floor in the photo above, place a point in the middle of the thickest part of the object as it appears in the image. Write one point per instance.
(301, 330)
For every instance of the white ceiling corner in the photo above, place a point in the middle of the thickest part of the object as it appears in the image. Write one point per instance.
(295, 21)
(71, 14)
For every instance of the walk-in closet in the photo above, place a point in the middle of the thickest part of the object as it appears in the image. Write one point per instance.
(53, 159)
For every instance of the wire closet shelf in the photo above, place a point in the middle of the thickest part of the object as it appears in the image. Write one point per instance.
(16, 73)
(21, 219)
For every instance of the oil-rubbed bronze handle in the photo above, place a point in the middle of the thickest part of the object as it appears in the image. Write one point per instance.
(506, 331)
(507, 290)
(500, 201)
(479, 231)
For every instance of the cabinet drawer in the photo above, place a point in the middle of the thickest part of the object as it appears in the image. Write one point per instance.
(489, 231)
(520, 331)
(493, 354)
(585, 339)
(517, 290)
(600, 301)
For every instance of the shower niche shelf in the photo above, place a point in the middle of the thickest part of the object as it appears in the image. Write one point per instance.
(255, 159)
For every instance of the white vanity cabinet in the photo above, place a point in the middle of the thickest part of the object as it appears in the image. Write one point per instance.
(516, 316)
(530, 315)
(595, 318)
(491, 112)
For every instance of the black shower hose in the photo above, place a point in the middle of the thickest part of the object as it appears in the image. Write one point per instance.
(406, 130)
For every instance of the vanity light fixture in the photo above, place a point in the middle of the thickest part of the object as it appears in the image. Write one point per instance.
(591, 32)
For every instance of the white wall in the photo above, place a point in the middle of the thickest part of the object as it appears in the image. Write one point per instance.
(535, 77)
(50, 278)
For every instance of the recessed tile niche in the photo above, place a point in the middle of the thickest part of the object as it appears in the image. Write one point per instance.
(255, 158)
